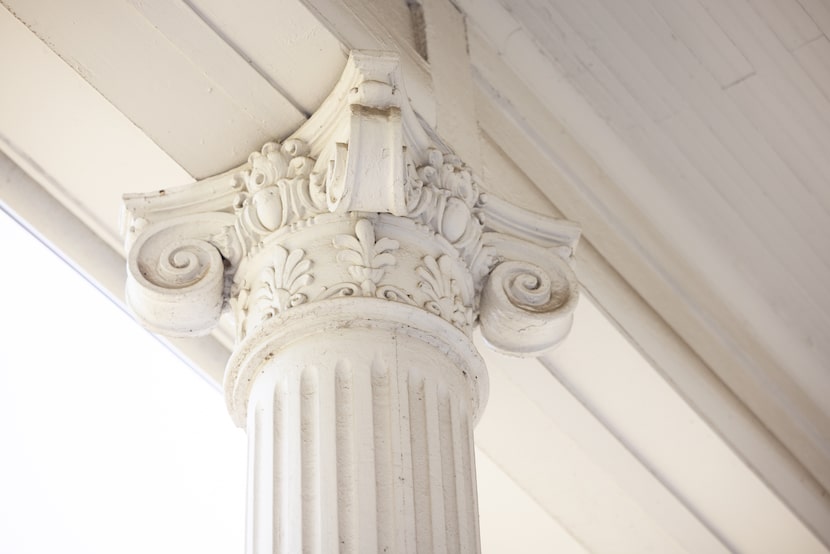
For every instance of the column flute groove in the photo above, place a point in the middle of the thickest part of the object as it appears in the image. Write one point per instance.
(347, 475)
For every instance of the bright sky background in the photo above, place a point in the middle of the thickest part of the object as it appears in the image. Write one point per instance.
(108, 441)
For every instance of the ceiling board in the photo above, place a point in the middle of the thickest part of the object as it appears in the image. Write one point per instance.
(732, 256)
(166, 69)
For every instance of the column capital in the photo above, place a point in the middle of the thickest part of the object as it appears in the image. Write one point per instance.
(361, 201)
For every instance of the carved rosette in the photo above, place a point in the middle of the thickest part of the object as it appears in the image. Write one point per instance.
(360, 202)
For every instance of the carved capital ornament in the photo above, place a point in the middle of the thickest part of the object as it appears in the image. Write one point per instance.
(361, 226)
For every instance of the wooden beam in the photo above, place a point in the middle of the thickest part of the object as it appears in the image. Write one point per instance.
(169, 73)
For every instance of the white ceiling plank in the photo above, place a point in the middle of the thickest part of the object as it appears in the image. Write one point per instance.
(222, 64)
(65, 126)
(786, 134)
(782, 261)
(808, 125)
(789, 139)
(728, 303)
(695, 28)
(769, 57)
(760, 196)
(499, 173)
(769, 213)
(574, 60)
(788, 91)
(565, 480)
(602, 227)
(157, 84)
(692, 197)
(814, 57)
(642, 410)
(511, 520)
(819, 11)
(796, 258)
(642, 480)
(745, 319)
(603, 53)
(614, 48)
(452, 80)
(367, 25)
(788, 20)
(706, 393)
(284, 42)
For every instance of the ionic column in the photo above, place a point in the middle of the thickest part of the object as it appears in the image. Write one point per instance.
(356, 258)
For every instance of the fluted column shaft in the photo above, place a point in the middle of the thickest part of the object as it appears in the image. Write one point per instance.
(360, 441)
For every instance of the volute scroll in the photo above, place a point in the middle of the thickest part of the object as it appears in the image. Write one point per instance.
(178, 273)
(528, 299)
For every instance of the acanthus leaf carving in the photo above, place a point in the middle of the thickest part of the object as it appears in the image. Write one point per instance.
(367, 258)
(282, 283)
(443, 291)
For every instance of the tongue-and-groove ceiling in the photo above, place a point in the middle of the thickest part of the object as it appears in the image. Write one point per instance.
(689, 138)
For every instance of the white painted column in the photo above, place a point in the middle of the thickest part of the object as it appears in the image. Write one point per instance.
(356, 258)
(361, 442)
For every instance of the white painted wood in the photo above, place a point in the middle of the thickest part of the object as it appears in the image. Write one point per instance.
(75, 124)
(771, 59)
(194, 37)
(658, 427)
(751, 440)
(591, 434)
(706, 393)
(277, 39)
(731, 136)
(504, 508)
(819, 12)
(367, 25)
(789, 21)
(646, 158)
(814, 57)
(361, 449)
(602, 46)
(693, 25)
(452, 80)
(166, 75)
(564, 479)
